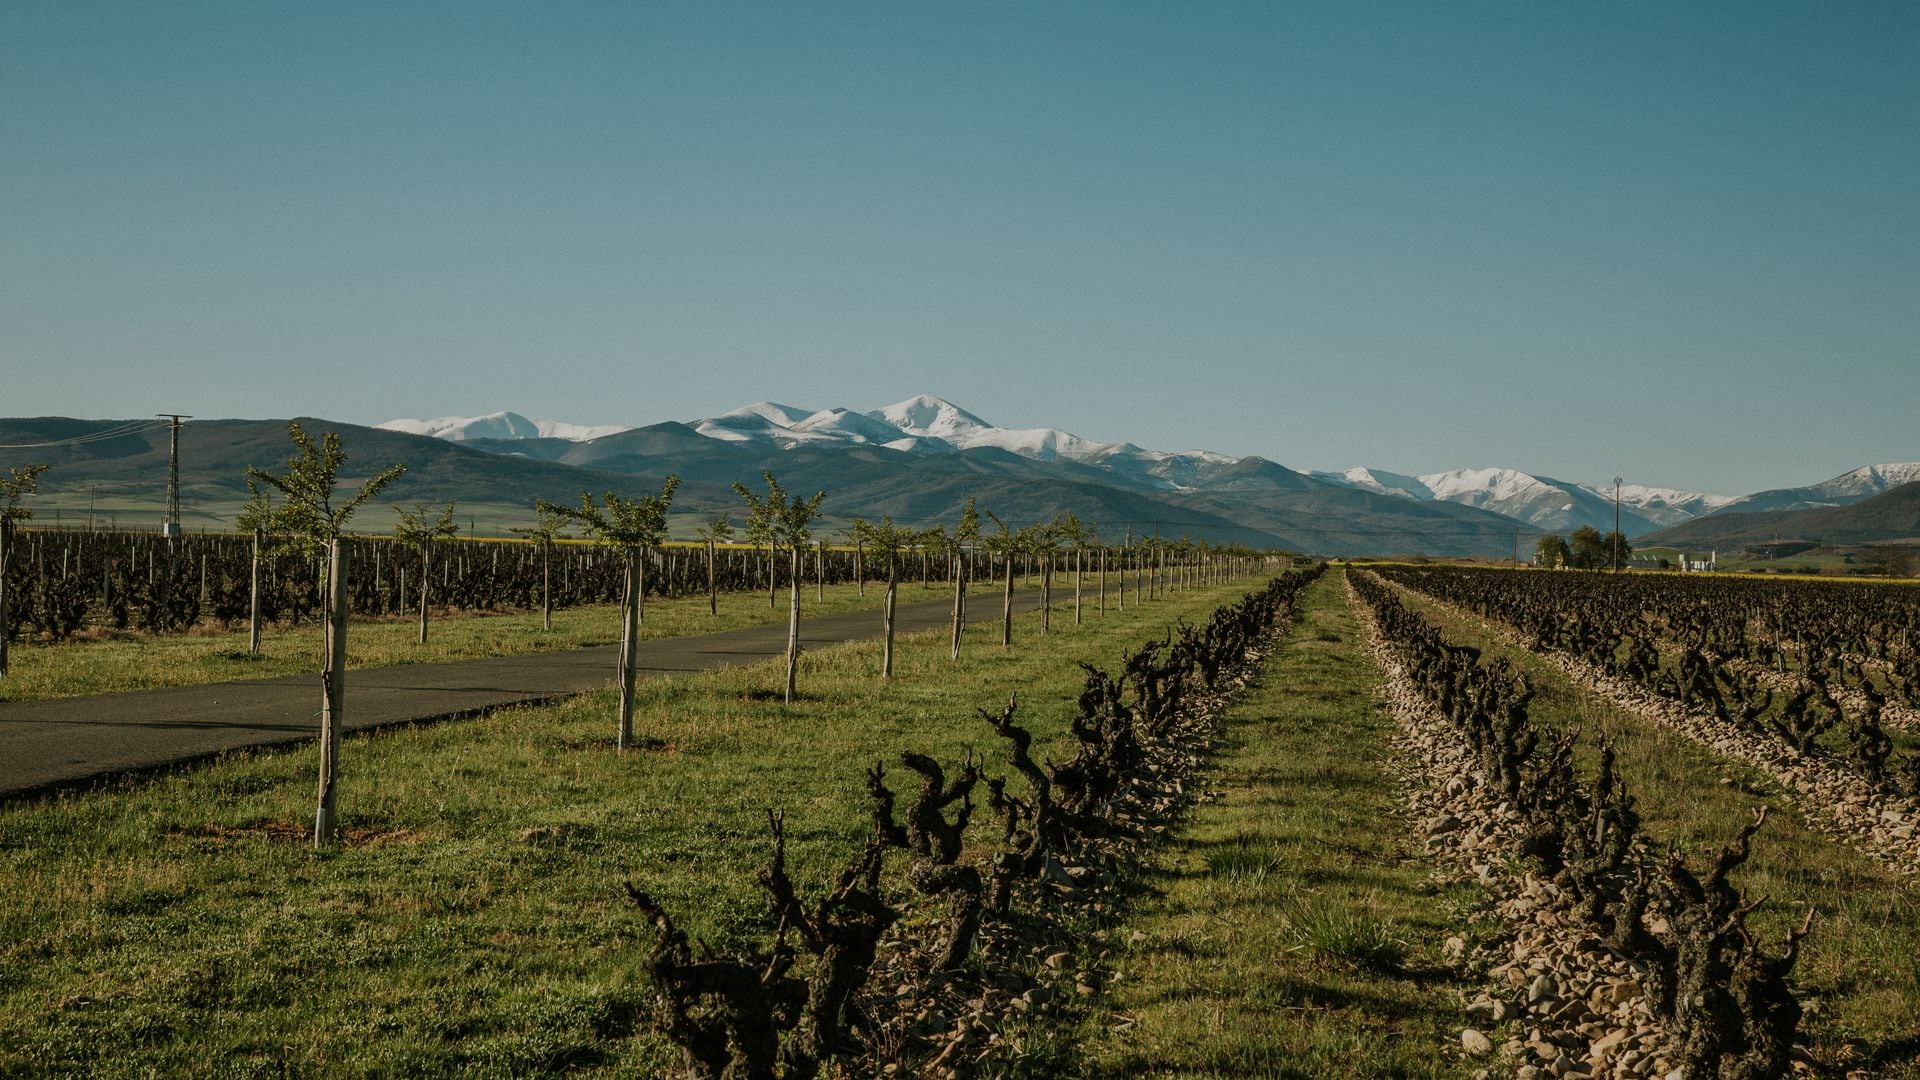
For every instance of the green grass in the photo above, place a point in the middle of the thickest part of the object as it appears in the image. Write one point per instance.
(145, 661)
(1861, 965)
(475, 923)
(1292, 930)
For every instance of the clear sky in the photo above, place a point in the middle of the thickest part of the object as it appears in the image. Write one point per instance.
(1677, 242)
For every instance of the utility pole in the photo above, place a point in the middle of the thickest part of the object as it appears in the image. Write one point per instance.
(1614, 543)
(171, 530)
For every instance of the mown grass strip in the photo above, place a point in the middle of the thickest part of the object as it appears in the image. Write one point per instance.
(1293, 929)
(146, 661)
(1860, 968)
(475, 922)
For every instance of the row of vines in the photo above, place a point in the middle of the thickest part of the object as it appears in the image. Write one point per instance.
(1683, 983)
(61, 583)
(913, 972)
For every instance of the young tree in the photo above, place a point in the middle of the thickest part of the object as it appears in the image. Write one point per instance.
(966, 533)
(307, 522)
(1551, 551)
(415, 529)
(1588, 548)
(633, 528)
(786, 521)
(1008, 544)
(888, 542)
(21, 483)
(718, 530)
(1068, 530)
(1043, 543)
(548, 526)
(255, 518)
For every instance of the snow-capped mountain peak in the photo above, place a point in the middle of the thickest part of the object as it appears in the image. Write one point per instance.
(500, 425)
(930, 416)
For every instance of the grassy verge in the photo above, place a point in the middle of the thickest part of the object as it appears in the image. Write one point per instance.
(474, 921)
(1292, 929)
(1860, 966)
(144, 662)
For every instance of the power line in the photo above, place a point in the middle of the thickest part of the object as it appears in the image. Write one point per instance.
(121, 431)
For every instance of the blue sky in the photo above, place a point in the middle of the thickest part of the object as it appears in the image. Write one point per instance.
(1679, 243)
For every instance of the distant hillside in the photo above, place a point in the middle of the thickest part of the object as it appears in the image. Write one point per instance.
(1250, 501)
(1849, 487)
(1892, 515)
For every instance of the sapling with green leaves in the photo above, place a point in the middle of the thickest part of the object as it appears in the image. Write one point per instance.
(547, 528)
(1068, 531)
(717, 530)
(966, 533)
(888, 542)
(633, 527)
(21, 482)
(786, 521)
(418, 530)
(308, 523)
(1008, 543)
(254, 519)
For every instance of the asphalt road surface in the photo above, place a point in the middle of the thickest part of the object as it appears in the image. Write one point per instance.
(65, 742)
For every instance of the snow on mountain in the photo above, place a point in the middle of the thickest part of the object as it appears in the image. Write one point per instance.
(1664, 506)
(500, 425)
(1849, 487)
(1871, 480)
(930, 417)
(1381, 481)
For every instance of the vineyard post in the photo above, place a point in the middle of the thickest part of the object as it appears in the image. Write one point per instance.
(1102, 555)
(820, 571)
(546, 582)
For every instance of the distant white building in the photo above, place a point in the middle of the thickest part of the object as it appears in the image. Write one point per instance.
(1711, 562)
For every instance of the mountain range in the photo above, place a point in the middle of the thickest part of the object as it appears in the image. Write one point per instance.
(917, 460)
(928, 425)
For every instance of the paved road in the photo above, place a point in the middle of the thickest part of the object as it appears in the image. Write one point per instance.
(52, 744)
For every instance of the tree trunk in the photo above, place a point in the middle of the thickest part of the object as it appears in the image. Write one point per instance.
(333, 691)
(820, 573)
(640, 587)
(859, 566)
(546, 583)
(773, 556)
(959, 601)
(426, 583)
(629, 642)
(6, 626)
(1079, 576)
(713, 590)
(1046, 594)
(793, 625)
(253, 596)
(1124, 553)
(886, 653)
(1006, 608)
(1103, 579)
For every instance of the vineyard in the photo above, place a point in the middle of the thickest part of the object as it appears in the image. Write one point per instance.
(1399, 820)
(61, 583)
